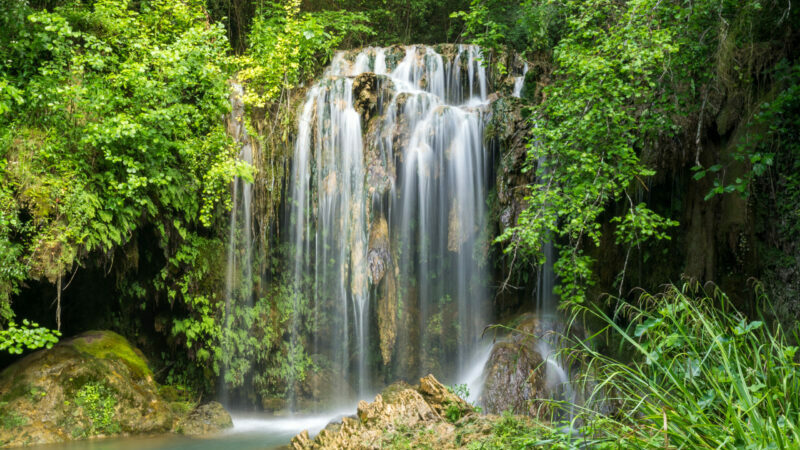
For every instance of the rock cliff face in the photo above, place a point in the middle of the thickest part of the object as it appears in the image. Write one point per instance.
(92, 385)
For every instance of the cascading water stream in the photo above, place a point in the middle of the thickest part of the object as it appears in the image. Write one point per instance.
(419, 230)
(557, 378)
(519, 82)
(239, 269)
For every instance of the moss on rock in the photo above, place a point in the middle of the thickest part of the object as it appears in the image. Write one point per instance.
(93, 385)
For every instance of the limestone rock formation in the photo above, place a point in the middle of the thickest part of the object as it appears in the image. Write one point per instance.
(95, 384)
(382, 276)
(398, 409)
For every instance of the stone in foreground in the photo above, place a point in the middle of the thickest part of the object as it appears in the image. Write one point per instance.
(428, 411)
(92, 385)
(205, 419)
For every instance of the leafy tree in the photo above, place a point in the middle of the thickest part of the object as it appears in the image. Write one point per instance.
(112, 120)
(630, 79)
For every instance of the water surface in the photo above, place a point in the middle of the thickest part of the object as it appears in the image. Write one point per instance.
(249, 432)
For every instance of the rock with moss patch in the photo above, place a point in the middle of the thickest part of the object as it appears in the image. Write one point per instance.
(95, 384)
(205, 419)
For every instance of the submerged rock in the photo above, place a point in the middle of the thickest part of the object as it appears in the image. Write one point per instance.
(205, 419)
(427, 411)
(95, 384)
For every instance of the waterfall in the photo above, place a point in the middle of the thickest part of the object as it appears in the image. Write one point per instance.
(519, 82)
(557, 377)
(387, 213)
(239, 268)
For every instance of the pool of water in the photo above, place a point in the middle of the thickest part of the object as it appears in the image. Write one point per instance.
(249, 432)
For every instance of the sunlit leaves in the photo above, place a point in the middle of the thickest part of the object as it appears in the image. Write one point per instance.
(286, 46)
(26, 336)
(117, 122)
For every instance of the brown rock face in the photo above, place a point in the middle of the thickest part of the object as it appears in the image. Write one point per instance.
(368, 90)
(399, 407)
(378, 256)
(95, 384)
(439, 397)
(382, 276)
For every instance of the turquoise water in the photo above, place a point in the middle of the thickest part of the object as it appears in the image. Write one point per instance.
(250, 432)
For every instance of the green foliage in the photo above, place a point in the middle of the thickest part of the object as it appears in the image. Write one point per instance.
(287, 46)
(116, 129)
(634, 79)
(529, 26)
(485, 28)
(601, 112)
(28, 336)
(461, 390)
(97, 402)
(773, 129)
(256, 344)
(700, 375)
(521, 432)
(703, 374)
(401, 21)
(454, 411)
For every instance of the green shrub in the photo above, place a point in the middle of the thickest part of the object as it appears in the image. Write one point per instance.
(97, 402)
(703, 375)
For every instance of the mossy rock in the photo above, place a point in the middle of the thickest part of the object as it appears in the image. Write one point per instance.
(92, 385)
(205, 419)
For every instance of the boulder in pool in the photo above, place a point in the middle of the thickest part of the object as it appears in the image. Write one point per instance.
(205, 419)
(92, 385)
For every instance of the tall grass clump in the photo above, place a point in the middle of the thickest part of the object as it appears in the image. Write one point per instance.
(699, 374)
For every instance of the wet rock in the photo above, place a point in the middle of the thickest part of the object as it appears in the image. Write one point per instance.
(369, 92)
(512, 130)
(400, 409)
(437, 395)
(456, 234)
(272, 404)
(301, 441)
(408, 408)
(512, 379)
(378, 256)
(383, 277)
(516, 373)
(95, 384)
(322, 385)
(205, 419)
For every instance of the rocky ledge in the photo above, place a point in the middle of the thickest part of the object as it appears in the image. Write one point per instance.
(93, 385)
(404, 416)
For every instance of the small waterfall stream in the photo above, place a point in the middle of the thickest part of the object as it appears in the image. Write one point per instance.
(239, 267)
(387, 213)
(519, 82)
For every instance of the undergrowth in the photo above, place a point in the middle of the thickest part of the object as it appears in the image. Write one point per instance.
(702, 375)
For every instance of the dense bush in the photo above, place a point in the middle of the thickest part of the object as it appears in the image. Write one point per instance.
(112, 120)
